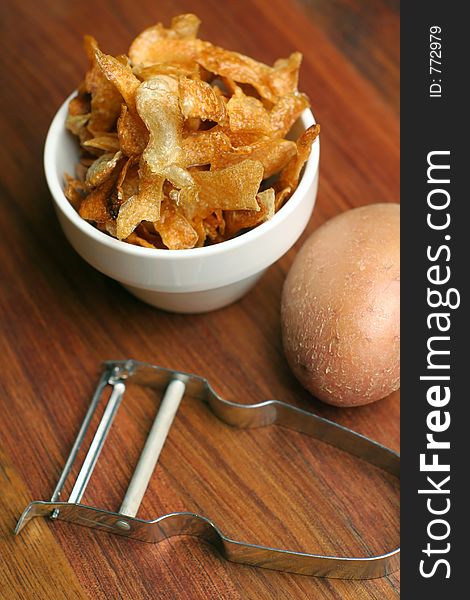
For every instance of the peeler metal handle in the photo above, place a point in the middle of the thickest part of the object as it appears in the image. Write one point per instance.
(176, 384)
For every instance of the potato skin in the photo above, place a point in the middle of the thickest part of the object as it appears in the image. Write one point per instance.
(340, 311)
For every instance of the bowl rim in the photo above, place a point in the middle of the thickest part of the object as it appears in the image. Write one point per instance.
(56, 188)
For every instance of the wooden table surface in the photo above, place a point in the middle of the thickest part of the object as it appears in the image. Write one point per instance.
(60, 319)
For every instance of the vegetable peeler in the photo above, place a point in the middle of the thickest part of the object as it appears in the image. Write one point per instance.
(115, 375)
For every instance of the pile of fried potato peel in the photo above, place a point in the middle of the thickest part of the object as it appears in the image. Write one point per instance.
(182, 142)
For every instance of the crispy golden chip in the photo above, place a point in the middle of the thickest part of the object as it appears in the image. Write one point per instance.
(185, 26)
(214, 226)
(198, 225)
(174, 69)
(199, 99)
(244, 138)
(144, 49)
(108, 142)
(234, 187)
(135, 239)
(127, 184)
(150, 48)
(284, 77)
(191, 125)
(80, 172)
(121, 76)
(79, 113)
(80, 105)
(147, 231)
(286, 111)
(105, 98)
(289, 177)
(281, 197)
(269, 82)
(238, 220)
(174, 228)
(246, 113)
(102, 169)
(132, 134)
(158, 106)
(77, 123)
(266, 200)
(75, 190)
(273, 153)
(108, 226)
(202, 147)
(87, 161)
(236, 67)
(144, 206)
(95, 206)
(230, 86)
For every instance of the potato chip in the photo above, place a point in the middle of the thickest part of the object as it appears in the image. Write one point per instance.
(77, 123)
(203, 147)
(74, 190)
(102, 169)
(147, 231)
(185, 26)
(158, 106)
(108, 226)
(214, 226)
(79, 113)
(95, 206)
(237, 220)
(151, 48)
(286, 111)
(80, 105)
(274, 154)
(191, 70)
(119, 194)
(246, 113)
(281, 196)
(105, 98)
(121, 76)
(266, 201)
(198, 226)
(108, 142)
(144, 49)
(243, 138)
(127, 184)
(199, 99)
(144, 206)
(132, 134)
(135, 239)
(174, 228)
(289, 177)
(285, 74)
(230, 86)
(234, 187)
(80, 172)
(191, 125)
(269, 82)
(237, 67)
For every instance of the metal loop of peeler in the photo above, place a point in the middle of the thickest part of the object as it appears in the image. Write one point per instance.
(176, 384)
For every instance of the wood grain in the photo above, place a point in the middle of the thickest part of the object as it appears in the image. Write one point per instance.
(60, 319)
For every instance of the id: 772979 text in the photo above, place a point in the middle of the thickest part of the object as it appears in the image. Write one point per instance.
(435, 61)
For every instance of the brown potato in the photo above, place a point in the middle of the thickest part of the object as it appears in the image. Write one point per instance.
(340, 308)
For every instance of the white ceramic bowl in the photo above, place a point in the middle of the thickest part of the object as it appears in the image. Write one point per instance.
(186, 281)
